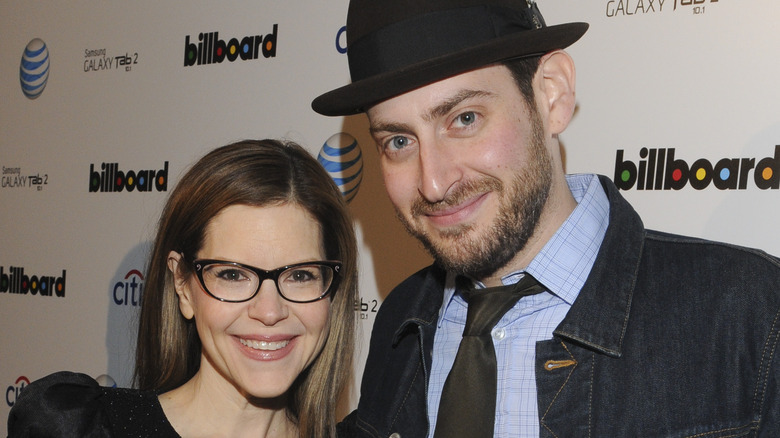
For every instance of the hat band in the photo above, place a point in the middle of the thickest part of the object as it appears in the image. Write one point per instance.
(432, 35)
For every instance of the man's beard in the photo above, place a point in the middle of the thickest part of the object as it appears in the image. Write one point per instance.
(517, 217)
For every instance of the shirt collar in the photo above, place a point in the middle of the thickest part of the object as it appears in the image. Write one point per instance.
(565, 261)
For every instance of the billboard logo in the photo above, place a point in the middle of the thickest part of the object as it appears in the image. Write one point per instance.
(659, 169)
(17, 282)
(34, 69)
(111, 179)
(13, 391)
(128, 291)
(342, 159)
(210, 49)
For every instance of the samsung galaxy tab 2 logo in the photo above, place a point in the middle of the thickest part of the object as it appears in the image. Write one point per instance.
(661, 169)
(13, 177)
(209, 48)
(624, 8)
(98, 60)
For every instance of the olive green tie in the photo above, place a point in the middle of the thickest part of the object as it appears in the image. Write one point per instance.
(468, 400)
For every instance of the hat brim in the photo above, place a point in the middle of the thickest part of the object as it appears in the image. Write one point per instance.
(358, 96)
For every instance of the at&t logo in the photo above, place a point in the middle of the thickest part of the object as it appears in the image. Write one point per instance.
(342, 158)
(34, 69)
(13, 391)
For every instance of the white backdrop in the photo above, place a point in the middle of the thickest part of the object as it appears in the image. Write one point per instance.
(692, 78)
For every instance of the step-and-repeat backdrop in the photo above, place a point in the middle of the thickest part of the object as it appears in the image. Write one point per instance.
(677, 102)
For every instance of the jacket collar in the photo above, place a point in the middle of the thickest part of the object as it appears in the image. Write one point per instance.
(599, 316)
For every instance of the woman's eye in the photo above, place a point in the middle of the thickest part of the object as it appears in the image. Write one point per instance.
(231, 275)
(302, 275)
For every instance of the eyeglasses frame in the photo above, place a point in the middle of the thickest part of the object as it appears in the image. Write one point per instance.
(199, 264)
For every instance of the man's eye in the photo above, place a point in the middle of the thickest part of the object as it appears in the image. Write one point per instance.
(466, 119)
(397, 143)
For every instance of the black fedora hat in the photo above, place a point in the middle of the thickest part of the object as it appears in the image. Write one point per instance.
(395, 46)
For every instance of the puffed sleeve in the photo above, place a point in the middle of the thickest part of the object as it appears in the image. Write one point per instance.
(62, 404)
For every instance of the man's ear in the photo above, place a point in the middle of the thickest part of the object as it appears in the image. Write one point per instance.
(556, 80)
(180, 284)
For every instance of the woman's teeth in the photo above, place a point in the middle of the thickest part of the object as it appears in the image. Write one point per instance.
(265, 345)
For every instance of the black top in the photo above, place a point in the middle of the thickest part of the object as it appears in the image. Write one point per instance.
(69, 404)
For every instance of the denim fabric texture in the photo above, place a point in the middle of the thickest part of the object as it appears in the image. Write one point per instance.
(670, 336)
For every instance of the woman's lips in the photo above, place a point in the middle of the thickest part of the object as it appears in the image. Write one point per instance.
(266, 349)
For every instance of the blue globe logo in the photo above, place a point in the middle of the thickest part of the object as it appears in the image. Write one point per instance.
(342, 158)
(34, 70)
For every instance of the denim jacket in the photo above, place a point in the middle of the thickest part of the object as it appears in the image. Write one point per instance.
(671, 336)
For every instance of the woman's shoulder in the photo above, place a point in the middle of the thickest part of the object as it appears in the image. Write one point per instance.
(135, 413)
(68, 404)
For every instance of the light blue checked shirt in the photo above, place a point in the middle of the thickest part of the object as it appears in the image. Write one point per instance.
(562, 266)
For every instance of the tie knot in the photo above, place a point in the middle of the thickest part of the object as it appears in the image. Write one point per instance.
(487, 306)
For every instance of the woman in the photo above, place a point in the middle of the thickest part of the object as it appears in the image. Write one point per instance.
(221, 351)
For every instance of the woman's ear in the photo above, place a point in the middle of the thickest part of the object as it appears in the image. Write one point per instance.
(557, 89)
(180, 284)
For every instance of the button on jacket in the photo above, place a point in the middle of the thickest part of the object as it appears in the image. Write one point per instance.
(670, 336)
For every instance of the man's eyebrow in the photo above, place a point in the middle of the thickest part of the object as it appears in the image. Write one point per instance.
(447, 106)
(394, 128)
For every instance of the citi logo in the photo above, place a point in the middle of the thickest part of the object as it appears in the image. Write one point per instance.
(210, 49)
(111, 179)
(658, 169)
(15, 281)
(13, 391)
(128, 291)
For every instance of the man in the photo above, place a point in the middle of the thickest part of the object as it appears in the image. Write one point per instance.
(636, 332)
